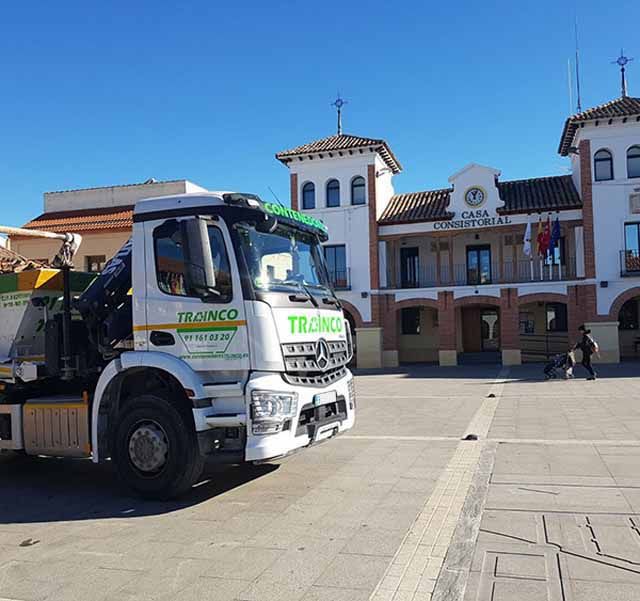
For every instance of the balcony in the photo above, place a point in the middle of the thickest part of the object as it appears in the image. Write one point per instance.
(340, 279)
(508, 273)
(629, 263)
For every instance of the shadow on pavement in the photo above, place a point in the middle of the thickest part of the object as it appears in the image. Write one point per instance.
(39, 489)
(529, 372)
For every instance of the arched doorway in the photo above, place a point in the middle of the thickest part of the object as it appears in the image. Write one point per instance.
(544, 326)
(629, 329)
(478, 329)
(414, 323)
(625, 309)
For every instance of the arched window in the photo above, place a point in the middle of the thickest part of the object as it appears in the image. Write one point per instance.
(333, 193)
(603, 165)
(308, 196)
(358, 194)
(633, 161)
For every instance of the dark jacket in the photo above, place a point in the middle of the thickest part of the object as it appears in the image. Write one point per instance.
(586, 345)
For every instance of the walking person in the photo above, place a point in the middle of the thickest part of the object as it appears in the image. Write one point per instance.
(588, 346)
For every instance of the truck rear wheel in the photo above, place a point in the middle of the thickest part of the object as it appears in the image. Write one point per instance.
(155, 449)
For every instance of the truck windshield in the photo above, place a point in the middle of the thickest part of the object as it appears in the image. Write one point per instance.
(283, 259)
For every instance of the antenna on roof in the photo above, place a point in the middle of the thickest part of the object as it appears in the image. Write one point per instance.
(339, 103)
(622, 62)
(570, 86)
(274, 195)
(575, 28)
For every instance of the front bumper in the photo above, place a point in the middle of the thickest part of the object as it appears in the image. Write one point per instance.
(308, 425)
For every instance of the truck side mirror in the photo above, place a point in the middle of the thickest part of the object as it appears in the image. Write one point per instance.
(199, 273)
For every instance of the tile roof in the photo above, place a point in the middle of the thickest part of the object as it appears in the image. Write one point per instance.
(429, 205)
(625, 106)
(555, 193)
(343, 142)
(12, 262)
(84, 220)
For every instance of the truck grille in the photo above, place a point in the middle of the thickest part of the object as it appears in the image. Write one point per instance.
(302, 368)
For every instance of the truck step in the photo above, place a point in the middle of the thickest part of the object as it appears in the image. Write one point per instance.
(227, 420)
(57, 425)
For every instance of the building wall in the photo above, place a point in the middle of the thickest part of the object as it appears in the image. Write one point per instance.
(611, 207)
(106, 244)
(114, 196)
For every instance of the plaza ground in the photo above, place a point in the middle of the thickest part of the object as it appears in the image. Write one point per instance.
(545, 504)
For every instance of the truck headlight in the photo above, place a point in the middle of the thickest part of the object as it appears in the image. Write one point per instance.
(270, 409)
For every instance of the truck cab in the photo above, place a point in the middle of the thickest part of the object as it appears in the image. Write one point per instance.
(220, 340)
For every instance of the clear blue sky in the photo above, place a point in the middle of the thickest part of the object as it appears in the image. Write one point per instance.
(107, 93)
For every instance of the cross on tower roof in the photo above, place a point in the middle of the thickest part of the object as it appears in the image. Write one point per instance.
(622, 62)
(339, 103)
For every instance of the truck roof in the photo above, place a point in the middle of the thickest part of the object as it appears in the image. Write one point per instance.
(193, 199)
(207, 199)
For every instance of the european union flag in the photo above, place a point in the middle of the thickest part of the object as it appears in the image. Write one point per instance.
(555, 234)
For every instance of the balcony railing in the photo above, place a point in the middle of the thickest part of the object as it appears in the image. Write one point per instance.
(340, 279)
(509, 273)
(629, 263)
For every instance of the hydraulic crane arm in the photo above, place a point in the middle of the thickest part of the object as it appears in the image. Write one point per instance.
(70, 242)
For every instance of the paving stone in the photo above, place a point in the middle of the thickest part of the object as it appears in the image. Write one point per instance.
(361, 572)
(374, 541)
(323, 593)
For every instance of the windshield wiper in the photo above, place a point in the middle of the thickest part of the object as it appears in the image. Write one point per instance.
(331, 300)
(311, 297)
(302, 288)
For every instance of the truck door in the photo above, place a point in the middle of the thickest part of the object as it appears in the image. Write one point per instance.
(207, 331)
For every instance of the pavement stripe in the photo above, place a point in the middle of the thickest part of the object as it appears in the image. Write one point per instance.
(416, 438)
(546, 441)
(413, 573)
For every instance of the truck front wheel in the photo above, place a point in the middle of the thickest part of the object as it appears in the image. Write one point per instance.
(155, 449)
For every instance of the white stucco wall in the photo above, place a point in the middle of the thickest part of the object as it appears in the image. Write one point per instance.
(114, 196)
(611, 208)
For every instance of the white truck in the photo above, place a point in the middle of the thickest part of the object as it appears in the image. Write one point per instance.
(213, 335)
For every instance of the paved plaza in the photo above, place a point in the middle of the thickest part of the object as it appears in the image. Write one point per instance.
(468, 483)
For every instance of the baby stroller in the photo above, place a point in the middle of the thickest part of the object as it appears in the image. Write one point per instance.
(564, 362)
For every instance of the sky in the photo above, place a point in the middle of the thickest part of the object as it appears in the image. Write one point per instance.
(99, 94)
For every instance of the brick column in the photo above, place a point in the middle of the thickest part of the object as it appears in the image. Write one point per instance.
(447, 329)
(510, 327)
(293, 182)
(586, 192)
(581, 308)
(373, 228)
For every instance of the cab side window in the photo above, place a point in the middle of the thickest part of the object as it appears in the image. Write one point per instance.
(171, 267)
(170, 262)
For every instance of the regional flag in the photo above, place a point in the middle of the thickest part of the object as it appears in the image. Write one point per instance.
(540, 239)
(526, 249)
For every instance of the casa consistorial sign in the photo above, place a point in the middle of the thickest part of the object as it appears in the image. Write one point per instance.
(472, 219)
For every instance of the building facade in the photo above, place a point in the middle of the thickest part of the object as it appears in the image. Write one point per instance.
(444, 275)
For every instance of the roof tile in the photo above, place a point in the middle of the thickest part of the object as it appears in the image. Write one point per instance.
(341, 142)
(84, 220)
(625, 106)
(555, 193)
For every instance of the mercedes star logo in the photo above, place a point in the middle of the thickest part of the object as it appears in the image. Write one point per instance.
(322, 354)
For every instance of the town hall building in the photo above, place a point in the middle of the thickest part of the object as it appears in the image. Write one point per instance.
(443, 276)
